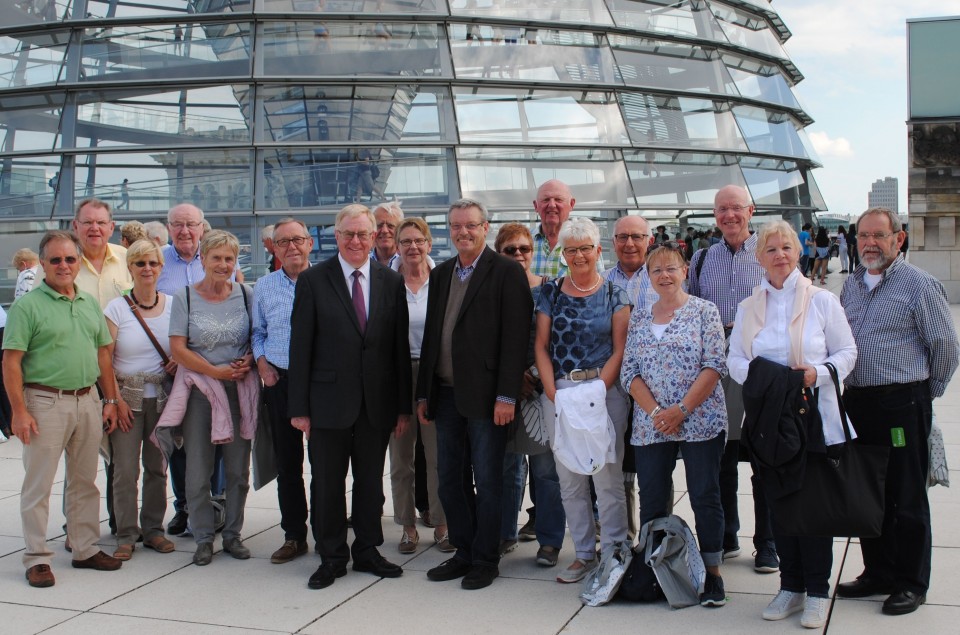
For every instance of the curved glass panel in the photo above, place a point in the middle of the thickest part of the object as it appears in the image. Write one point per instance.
(32, 60)
(758, 80)
(537, 54)
(769, 132)
(362, 113)
(672, 178)
(160, 52)
(353, 7)
(30, 121)
(670, 65)
(773, 182)
(685, 122)
(132, 8)
(30, 12)
(297, 177)
(502, 177)
(748, 30)
(521, 116)
(148, 116)
(351, 49)
(569, 11)
(27, 186)
(674, 17)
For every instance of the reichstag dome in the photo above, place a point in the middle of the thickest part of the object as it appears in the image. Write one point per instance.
(264, 108)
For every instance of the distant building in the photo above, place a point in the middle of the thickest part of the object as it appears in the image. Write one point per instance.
(883, 193)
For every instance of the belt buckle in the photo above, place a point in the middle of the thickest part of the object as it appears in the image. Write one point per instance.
(577, 374)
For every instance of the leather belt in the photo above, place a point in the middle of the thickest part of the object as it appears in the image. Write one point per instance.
(79, 392)
(578, 374)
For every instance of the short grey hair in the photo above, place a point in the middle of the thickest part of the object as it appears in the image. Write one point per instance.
(391, 207)
(267, 233)
(891, 215)
(157, 232)
(93, 202)
(59, 234)
(181, 206)
(355, 210)
(579, 229)
(467, 203)
(778, 228)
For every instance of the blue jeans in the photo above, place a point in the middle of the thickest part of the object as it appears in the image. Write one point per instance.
(473, 520)
(550, 520)
(701, 460)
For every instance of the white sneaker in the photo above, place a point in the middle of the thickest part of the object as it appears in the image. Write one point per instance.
(3, 438)
(784, 605)
(577, 571)
(814, 612)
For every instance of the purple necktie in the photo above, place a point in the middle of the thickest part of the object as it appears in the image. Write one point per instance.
(358, 304)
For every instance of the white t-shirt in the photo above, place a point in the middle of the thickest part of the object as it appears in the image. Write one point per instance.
(134, 352)
(417, 309)
(872, 279)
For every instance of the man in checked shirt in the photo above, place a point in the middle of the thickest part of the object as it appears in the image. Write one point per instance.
(907, 353)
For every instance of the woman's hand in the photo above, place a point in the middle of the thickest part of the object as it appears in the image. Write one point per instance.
(550, 392)
(171, 367)
(241, 366)
(124, 415)
(809, 375)
(668, 421)
(224, 372)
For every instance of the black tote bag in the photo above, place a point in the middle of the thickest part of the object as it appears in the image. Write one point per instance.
(842, 492)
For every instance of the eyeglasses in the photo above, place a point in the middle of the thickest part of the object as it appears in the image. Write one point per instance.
(730, 208)
(283, 243)
(153, 264)
(349, 236)
(56, 260)
(180, 226)
(570, 252)
(624, 238)
(470, 227)
(671, 271)
(383, 224)
(512, 250)
(874, 235)
(102, 224)
(419, 242)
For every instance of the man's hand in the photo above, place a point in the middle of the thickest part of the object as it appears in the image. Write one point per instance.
(23, 426)
(422, 413)
(124, 416)
(302, 424)
(268, 373)
(403, 424)
(503, 413)
(109, 417)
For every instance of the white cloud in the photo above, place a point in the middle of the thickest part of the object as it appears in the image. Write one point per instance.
(827, 147)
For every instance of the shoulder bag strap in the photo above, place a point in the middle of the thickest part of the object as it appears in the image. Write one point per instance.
(146, 329)
(843, 411)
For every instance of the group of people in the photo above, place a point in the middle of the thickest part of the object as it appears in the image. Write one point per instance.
(495, 360)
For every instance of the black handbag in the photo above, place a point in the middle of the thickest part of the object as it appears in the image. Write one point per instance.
(842, 492)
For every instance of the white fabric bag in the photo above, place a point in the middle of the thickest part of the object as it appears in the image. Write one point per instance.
(584, 439)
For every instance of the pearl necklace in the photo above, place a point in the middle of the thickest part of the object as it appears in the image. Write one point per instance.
(589, 289)
(156, 301)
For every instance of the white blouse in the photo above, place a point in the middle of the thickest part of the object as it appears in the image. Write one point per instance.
(826, 338)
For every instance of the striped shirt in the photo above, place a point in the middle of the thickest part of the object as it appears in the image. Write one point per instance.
(272, 306)
(178, 273)
(638, 286)
(903, 329)
(727, 277)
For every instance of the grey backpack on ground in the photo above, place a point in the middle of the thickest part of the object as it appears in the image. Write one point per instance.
(668, 546)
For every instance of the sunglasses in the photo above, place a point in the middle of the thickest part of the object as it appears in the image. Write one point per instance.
(56, 260)
(513, 249)
(143, 263)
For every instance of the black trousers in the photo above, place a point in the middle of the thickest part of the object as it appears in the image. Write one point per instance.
(288, 449)
(729, 483)
(363, 447)
(901, 555)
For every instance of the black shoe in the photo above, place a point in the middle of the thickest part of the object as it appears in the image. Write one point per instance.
(479, 576)
(449, 570)
(863, 587)
(713, 593)
(178, 524)
(529, 531)
(765, 560)
(903, 602)
(378, 565)
(325, 575)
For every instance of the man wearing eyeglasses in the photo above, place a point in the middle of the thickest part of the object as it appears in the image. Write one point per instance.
(472, 362)
(725, 274)
(389, 215)
(349, 388)
(103, 269)
(55, 349)
(907, 353)
(272, 306)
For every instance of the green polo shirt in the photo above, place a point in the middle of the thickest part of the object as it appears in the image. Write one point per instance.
(59, 337)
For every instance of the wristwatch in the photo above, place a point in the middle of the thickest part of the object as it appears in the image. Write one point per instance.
(683, 409)
(107, 402)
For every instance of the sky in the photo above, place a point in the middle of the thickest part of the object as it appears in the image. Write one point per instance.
(853, 55)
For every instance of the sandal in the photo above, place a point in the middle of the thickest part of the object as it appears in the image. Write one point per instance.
(124, 552)
(159, 544)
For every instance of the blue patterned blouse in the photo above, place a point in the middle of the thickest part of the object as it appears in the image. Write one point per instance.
(669, 366)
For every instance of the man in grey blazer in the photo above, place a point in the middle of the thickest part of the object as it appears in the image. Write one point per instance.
(349, 382)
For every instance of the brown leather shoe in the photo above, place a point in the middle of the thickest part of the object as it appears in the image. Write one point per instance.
(40, 576)
(288, 551)
(99, 561)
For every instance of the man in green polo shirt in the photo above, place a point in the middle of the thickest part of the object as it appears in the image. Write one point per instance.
(55, 349)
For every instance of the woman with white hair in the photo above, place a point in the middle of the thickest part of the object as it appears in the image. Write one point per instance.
(581, 331)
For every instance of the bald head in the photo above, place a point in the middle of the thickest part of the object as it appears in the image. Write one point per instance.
(733, 209)
(553, 204)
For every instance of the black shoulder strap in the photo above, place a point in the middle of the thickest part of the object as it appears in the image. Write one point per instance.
(188, 313)
(699, 266)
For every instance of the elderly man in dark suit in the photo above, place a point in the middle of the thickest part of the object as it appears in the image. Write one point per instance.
(349, 380)
(471, 368)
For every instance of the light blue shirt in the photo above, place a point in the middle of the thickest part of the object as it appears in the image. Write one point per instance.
(638, 286)
(272, 306)
(178, 273)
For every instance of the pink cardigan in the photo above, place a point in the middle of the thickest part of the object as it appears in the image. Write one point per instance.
(221, 424)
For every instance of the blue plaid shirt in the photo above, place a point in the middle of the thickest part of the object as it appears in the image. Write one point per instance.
(272, 306)
(638, 286)
(178, 273)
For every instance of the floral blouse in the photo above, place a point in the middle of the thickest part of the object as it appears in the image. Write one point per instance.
(668, 366)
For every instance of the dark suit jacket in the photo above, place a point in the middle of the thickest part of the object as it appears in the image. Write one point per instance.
(490, 338)
(333, 367)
